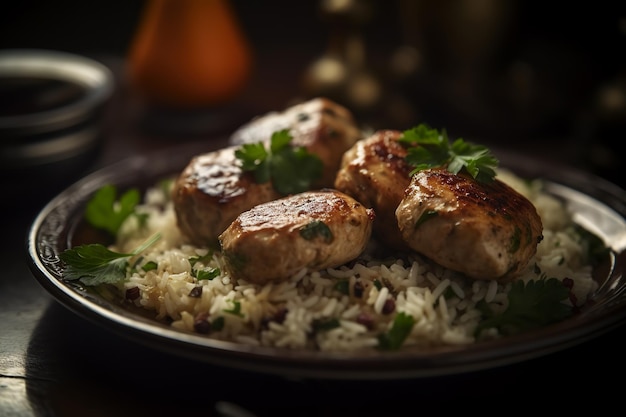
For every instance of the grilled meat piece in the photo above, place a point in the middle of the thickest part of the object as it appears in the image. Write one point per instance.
(315, 230)
(374, 172)
(322, 126)
(484, 230)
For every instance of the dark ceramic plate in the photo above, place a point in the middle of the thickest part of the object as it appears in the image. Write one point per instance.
(599, 206)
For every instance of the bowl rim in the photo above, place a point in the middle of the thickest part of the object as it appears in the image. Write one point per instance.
(95, 77)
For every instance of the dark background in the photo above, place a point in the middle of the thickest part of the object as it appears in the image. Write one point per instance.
(517, 73)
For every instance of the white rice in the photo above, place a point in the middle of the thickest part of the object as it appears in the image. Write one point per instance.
(442, 303)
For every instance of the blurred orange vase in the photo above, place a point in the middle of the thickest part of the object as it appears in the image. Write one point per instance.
(189, 53)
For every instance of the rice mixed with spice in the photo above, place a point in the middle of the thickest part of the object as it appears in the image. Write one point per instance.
(336, 309)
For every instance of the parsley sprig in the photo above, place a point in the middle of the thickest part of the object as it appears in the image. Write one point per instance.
(428, 148)
(106, 211)
(400, 330)
(291, 169)
(533, 304)
(95, 264)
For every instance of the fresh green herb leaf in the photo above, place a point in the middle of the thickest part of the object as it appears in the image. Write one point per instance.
(217, 324)
(150, 266)
(236, 310)
(343, 286)
(400, 330)
(95, 264)
(291, 169)
(427, 215)
(280, 140)
(254, 158)
(105, 211)
(533, 304)
(206, 273)
(323, 325)
(316, 228)
(203, 259)
(475, 159)
(428, 148)
(448, 293)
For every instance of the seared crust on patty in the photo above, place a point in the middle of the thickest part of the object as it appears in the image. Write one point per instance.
(374, 172)
(315, 230)
(484, 230)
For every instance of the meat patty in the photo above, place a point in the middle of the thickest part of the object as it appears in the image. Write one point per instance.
(484, 230)
(374, 172)
(211, 192)
(314, 229)
(320, 125)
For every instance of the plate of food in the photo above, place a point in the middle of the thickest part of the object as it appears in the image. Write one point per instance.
(307, 248)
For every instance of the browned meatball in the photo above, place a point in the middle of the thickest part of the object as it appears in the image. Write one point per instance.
(322, 126)
(374, 172)
(314, 230)
(484, 230)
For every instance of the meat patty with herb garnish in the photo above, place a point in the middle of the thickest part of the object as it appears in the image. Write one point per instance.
(486, 230)
(314, 230)
(321, 126)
